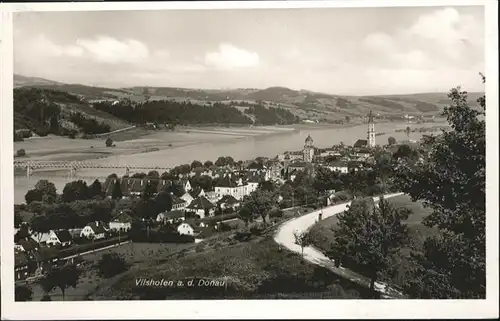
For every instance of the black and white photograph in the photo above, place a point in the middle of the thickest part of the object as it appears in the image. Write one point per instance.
(197, 154)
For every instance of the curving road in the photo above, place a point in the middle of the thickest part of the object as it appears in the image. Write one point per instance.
(285, 237)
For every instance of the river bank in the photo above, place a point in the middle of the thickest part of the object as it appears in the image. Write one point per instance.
(169, 149)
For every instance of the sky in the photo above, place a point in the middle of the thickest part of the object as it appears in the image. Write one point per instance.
(347, 51)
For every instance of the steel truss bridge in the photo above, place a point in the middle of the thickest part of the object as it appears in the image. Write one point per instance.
(73, 166)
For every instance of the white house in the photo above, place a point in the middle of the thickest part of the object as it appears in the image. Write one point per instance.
(178, 203)
(59, 238)
(202, 207)
(186, 185)
(187, 197)
(96, 229)
(170, 217)
(340, 167)
(185, 229)
(238, 189)
(122, 222)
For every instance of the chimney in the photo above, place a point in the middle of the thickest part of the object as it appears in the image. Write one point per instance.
(96, 223)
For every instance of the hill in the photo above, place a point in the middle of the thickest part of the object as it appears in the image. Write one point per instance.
(302, 103)
(44, 111)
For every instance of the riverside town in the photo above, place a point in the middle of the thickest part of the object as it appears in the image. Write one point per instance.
(173, 168)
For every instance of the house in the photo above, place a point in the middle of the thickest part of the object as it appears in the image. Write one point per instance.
(253, 181)
(178, 204)
(60, 238)
(297, 166)
(229, 186)
(28, 244)
(228, 201)
(255, 166)
(187, 198)
(95, 230)
(212, 197)
(39, 237)
(122, 222)
(340, 167)
(202, 207)
(185, 229)
(186, 185)
(170, 217)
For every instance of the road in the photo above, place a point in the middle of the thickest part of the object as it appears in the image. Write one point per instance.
(285, 237)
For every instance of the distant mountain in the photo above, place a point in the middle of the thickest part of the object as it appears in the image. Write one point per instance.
(21, 81)
(303, 103)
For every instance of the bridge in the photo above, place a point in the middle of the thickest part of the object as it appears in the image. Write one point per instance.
(73, 166)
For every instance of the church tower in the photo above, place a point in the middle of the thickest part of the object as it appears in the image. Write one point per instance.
(371, 131)
(308, 151)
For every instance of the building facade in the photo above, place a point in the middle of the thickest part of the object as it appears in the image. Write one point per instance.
(308, 151)
(371, 131)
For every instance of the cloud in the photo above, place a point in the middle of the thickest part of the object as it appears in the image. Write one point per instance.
(42, 45)
(110, 50)
(441, 37)
(231, 57)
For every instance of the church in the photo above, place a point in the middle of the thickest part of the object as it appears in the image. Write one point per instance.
(308, 151)
(370, 141)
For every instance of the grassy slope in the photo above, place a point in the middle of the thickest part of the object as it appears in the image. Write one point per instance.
(323, 234)
(303, 103)
(257, 269)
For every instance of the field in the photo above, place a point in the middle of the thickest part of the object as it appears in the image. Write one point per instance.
(133, 253)
(323, 234)
(257, 269)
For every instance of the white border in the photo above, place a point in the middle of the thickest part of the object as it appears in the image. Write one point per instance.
(269, 309)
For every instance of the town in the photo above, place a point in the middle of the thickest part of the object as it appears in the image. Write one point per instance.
(192, 201)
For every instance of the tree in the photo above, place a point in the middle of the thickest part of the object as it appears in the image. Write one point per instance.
(163, 201)
(95, 189)
(405, 152)
(196, 164)
(62, 278)
(46, 188)
(267, 186)
(153, 174)
(76, 190)
(149, 191)
(221, 161)
(54, 125)
(21, 153)
(23, 293)
(245, 214)
(117, 193)
(113, 175)
(109, 142)
(302, 239)
(367, 236)
(451, 182)
(391, 141)
(111, 264)
(408, 131)
(208, 164)
(46, 297)
(259, 203)
(33, 195)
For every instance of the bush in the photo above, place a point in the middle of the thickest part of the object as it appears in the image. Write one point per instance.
(21, 153)
(109, 142)
(111, 264)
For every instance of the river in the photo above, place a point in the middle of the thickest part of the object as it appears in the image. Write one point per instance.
(240, 148)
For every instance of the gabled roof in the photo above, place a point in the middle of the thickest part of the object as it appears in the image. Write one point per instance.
(63, 235)
(28, 244)
(298, 164)
(200, 203)
(177, 200)
(227, 182)
(228, 199)
(123, 218)
(97, 227)
(172, 214)
(309, 138)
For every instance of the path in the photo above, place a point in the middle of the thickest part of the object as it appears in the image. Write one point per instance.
(285, 237)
